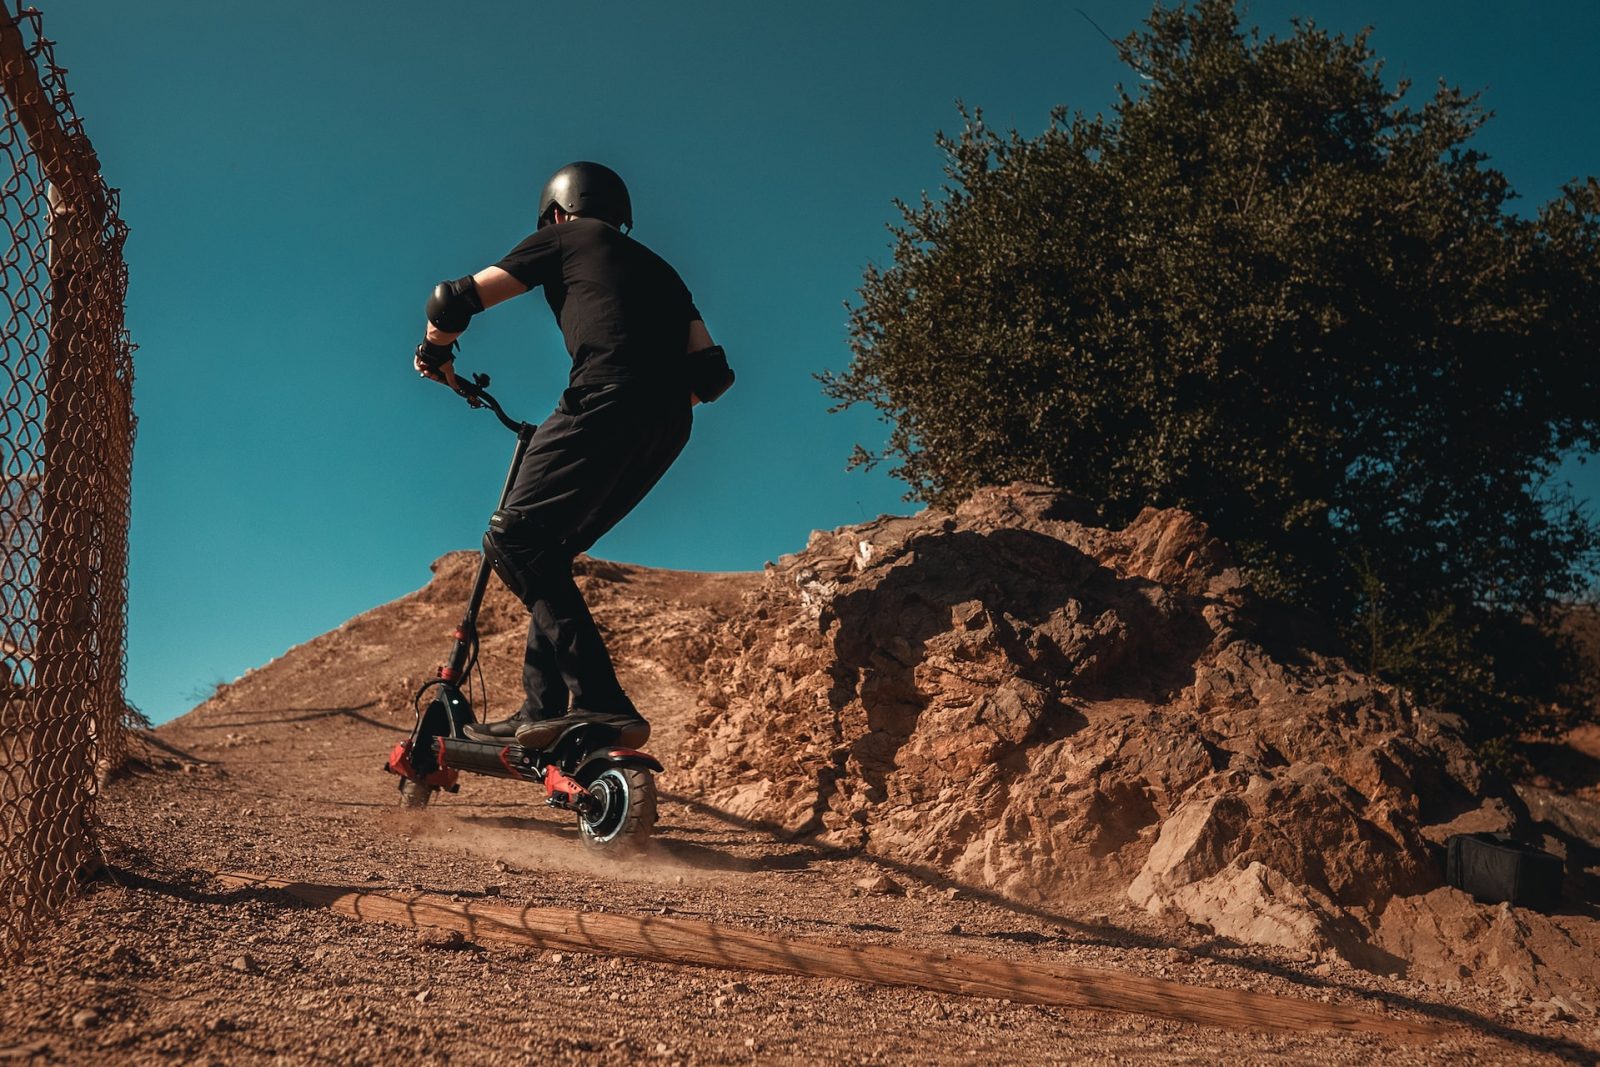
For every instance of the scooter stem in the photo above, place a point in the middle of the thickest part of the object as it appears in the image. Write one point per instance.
(455, 668)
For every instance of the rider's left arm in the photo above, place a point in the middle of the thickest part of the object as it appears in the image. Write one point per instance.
(699, 338)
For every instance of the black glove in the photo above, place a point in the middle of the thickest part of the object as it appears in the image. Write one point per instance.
(708, 373)
(435, 356)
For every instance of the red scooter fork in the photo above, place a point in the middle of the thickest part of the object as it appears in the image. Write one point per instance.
(563, 791)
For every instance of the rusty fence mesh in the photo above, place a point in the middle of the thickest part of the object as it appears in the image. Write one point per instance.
(66, 446)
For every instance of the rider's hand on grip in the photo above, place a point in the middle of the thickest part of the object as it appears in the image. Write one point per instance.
(436, 362)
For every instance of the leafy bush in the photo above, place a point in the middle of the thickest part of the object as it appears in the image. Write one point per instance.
(1271, 291)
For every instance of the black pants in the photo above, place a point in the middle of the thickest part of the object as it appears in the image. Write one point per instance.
(588, 465)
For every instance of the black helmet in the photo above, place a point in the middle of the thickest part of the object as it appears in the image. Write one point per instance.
(588, 189)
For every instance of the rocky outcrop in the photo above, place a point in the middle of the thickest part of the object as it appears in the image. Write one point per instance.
(1026, 700)
(1445, 936)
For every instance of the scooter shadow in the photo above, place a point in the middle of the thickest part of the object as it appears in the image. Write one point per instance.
(684, 853)
(702, 857)
(521, 824)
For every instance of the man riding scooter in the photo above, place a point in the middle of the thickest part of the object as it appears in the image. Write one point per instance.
(641, 359)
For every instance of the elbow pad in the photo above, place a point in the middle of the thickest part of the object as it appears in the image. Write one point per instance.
(709, 373)
(453, 304)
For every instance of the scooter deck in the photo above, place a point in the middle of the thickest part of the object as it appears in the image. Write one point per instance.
(500, 759)
(495, 758)
(439, 750)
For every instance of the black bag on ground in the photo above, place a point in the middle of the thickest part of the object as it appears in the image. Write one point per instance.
(1494, 868)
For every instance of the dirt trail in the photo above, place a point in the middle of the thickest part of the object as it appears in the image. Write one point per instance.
(280, 774)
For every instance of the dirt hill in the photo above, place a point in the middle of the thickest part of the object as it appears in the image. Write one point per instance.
(1002, 732)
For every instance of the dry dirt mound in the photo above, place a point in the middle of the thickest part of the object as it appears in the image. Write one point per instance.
(659, 624)
(1019, 698)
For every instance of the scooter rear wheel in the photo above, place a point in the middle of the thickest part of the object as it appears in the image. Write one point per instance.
(415, 794)
(626, 812)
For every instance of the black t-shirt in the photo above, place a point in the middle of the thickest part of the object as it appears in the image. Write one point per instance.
(624, 312)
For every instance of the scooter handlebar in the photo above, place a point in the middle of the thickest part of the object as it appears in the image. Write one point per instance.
(474, 389)
(471, 386)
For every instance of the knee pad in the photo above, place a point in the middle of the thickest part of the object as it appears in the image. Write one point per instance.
(519, 551)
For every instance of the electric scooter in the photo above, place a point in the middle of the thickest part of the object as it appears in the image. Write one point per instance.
(590, 769)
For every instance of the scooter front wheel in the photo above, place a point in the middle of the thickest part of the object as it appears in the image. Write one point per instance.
(625, 810)
(415, 794)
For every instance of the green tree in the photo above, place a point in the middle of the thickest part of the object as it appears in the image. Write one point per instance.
(1269, 290)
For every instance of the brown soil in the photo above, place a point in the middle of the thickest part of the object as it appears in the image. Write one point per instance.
(279, 773)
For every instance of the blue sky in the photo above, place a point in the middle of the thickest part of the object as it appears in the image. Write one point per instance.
(296, 177)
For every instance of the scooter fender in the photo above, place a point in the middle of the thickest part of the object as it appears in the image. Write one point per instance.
(401, 763)
(600, 760)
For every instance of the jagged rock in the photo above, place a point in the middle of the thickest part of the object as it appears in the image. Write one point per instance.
(1573, 819)
(1253, 904)
(1446, 936)
(1494, 815)
(447, 940)
(1302, 823)
(1021, 698)
(881, 885)
(1195, 844)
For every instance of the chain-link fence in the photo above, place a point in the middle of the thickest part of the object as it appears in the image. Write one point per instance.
(66, 446)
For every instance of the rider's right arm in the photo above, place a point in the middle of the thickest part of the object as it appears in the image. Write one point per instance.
(495, 286)
(535, 260)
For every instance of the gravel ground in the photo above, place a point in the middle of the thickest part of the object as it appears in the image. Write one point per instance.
(279, 774)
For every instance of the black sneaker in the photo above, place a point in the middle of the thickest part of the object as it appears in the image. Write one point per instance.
(632, 729)
(503, 730)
